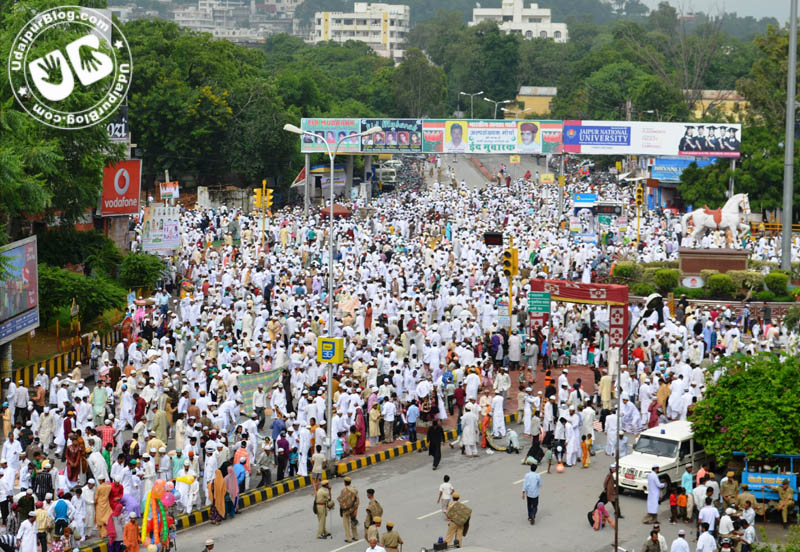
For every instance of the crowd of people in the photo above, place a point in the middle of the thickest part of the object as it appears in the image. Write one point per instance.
(415, 298)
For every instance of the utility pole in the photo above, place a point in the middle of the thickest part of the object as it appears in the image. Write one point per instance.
(263, 213)
(788, 154)
(166, 179)
(562, 183)
(628, 112)
(510, 291)
(730, 180)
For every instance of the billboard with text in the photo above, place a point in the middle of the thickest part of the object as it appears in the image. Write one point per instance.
(646, 138)
(332, 130)
(523, 137)
(491, 136)
(396, 136)
(19, 289)
(121, 184)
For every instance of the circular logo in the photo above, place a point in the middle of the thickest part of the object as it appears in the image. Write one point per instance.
(122, 189)
(70, 67)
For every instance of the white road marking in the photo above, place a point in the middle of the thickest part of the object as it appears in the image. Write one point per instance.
(521, 480)
(347, 545)
(434, 513)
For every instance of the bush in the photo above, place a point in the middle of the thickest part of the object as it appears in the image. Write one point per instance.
(776, 282)
(648, 274)
(708, 273)
(661, 264)
(666, 279)
(785, 299)
(678, 291)
(141, 270)
(720, 285)
(57, 288)
(747, 279)
(642, 288)
(626, 270)
(699, 293)
(765, 295)
(63, 246)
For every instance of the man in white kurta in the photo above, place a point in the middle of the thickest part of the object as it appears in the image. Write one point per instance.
(27, 533)
(469, 431)
(498, 416)
(654, 487)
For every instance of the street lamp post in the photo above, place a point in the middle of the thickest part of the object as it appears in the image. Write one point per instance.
(332, 155)
(788, 154)
(496, 104)
(653, 302)
(471, 98)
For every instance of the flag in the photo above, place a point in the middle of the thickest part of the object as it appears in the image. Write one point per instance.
(300, 176)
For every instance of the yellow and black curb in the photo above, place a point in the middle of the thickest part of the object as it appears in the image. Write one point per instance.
(263, 494)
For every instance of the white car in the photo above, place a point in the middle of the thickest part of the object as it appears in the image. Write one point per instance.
(671, 447)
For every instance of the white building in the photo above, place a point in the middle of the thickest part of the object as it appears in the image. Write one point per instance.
(514, 17)
(384, 27)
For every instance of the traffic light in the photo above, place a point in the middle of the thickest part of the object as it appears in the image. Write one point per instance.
(510, 262)
(268, 200)
(257, 199)
(639, 195)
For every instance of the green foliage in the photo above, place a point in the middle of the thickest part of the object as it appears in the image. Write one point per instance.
(720, 285)
(792, 319)
(666, 279)
(707, 273)
(660, 264)
(58, 287)
(626, 270)
(765, 295)
(418, 86)
(777, 282)
(642, 288)
(698, 293)
(141, 270)
(66, 246)
(747, 279)
(44, 170)
(752, 408)
(792, 543)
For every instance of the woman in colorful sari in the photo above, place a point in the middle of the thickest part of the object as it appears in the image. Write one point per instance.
(232, 499)
(600, 517)
(217, 490)
(361, 428)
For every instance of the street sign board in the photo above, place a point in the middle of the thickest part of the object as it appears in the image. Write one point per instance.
(330, 349)
(539, 301)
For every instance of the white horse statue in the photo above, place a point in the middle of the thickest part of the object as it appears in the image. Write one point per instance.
(731, 217)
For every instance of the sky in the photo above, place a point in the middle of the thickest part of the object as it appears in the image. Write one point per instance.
(763, 8)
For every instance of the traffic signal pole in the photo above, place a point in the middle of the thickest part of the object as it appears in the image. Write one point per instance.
(263, 211)
(510, 288)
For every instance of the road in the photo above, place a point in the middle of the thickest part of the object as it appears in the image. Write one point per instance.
(407, 488)
(465, 170)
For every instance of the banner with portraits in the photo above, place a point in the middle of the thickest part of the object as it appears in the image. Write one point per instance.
(491, 136)
(396, 136)
(505, 136)
(652, 138)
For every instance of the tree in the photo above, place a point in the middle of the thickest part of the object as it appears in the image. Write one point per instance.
(141, 270)
(765, 87)
(418, 86)
(751, 408)
(44, 170)
(759, 173)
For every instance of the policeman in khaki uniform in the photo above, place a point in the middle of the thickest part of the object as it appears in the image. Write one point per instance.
(744, 496)
(729, 489)
(391, 540)
(374, 509)
(323, 503)
(372, 530)
(785, 500)
(348, 508)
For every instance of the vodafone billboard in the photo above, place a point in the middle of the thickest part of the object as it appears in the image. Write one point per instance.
(121, 183)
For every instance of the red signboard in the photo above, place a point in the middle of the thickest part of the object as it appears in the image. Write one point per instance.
(576, 292)
(121, 183)
(617, 324)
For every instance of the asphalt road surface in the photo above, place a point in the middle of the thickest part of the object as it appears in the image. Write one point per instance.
(407, 489)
